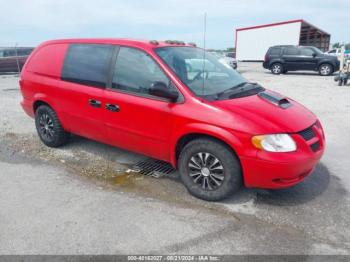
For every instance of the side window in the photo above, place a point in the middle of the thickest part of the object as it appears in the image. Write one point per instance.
(291, 51)
(306, 52)
(135, 71)
(1, 53)
(87, 64)
(275, 51)
(9, 53)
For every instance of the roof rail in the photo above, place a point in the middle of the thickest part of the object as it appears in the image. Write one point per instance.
(192, 44)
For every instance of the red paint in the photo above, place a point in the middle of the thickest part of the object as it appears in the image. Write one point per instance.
(272, 24)
(154, 127)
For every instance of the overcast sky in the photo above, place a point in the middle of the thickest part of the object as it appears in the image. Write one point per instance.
(30, 22)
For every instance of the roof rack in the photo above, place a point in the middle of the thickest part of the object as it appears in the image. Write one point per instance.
(174, 42)
(154, 42)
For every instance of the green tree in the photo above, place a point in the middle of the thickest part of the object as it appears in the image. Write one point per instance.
(336, 45)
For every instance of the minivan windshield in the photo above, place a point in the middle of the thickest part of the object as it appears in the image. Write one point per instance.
(201, 72)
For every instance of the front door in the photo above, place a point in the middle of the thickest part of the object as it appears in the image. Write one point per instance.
(134, 119)
(308, 60)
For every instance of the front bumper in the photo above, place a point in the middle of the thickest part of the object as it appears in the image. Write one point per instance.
(281, 170)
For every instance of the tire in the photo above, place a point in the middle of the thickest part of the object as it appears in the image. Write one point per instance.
(340, 82)
(276, 68)
(201, 156)
(49, 128)
(325, 69)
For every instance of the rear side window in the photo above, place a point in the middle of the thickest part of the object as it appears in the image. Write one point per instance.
(291, 51)
(24, 52)
(9, 53)
(275, 51)
(87, 64)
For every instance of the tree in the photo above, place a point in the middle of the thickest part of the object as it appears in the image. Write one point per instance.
(347, 46)
(336, 45)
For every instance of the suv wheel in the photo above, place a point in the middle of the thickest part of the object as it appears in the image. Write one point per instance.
(209, 169)
(49, 127)
(276, 68)
(325, 69)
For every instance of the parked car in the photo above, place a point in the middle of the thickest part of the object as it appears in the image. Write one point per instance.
(337, 52)
(284, 58)
(230, 54)
(217, 128)
(232, 62)
(13, 59)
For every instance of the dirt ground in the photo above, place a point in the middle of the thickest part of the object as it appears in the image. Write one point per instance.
(84, 198)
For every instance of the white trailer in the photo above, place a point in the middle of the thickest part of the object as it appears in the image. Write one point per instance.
(252, 42)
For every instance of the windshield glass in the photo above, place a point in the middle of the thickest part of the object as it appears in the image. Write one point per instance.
(204, 77)
(317, 51)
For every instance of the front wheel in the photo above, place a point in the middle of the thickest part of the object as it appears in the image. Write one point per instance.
(325, 70)
(276, 68)
(209, 169)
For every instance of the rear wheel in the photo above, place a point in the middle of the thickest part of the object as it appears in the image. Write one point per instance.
(49, 127)
(209, 169)
(276, 68)
(325, 70)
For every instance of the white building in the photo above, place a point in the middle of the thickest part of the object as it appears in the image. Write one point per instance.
(252, 42)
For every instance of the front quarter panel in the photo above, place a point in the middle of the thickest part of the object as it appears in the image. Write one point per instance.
(237, 141)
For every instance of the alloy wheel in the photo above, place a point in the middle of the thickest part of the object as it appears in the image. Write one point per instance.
(276, 69)
(325, 70)
(46, 126)
(206, 170)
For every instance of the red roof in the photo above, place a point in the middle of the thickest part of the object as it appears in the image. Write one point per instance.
(282, 23)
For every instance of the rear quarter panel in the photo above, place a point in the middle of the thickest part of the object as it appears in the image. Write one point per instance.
(40, 77)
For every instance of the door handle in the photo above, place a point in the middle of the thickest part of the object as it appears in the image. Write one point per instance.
(113, 108)
(94, 103)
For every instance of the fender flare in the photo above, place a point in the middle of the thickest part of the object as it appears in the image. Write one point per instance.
(204, 129)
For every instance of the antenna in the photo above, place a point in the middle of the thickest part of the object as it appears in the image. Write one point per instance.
(204, 36)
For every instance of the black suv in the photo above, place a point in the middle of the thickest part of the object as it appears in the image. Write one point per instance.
(283, 58)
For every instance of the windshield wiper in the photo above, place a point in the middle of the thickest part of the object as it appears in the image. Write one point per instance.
(237, 89)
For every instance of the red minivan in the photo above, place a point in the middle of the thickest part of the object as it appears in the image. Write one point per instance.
(174, 102)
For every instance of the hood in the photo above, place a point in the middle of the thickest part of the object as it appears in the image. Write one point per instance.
(267, 114)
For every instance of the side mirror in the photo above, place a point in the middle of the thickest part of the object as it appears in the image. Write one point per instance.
(162, 90)
(314, 54)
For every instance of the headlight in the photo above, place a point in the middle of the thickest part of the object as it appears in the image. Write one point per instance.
(274, 143)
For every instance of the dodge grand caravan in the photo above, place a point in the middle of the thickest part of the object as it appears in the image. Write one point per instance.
(217, 128)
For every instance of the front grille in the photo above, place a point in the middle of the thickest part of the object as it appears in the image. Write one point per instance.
(316, 146)
(307, 133)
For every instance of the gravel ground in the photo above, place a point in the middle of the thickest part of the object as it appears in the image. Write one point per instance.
(84, 199)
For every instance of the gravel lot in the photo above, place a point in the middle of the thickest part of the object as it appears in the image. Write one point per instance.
(82, 199)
